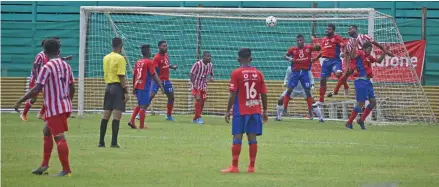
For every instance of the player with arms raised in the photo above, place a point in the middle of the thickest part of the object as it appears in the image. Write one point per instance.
(247, 89)
(361, 39)
(161, 62)
(331, 52)
(144, 71)
(301, 65)
(56, 81)
(363, 86)
(198, 75)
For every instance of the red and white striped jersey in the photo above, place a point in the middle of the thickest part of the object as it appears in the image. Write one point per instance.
(39, 61)
(56, 76)
(200, 71)
(361, 38)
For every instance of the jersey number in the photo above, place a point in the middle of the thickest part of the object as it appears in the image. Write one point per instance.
(139, 73)
(250, 90)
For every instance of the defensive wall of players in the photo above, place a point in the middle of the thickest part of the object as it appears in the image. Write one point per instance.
(14, 87)
(24, 24)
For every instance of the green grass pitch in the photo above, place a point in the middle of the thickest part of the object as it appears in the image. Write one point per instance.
(291, 153)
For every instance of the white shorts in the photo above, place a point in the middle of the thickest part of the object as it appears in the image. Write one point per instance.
(294, 94)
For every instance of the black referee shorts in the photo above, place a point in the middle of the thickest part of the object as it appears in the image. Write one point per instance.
(114, 97)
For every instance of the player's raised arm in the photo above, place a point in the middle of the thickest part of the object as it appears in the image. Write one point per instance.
(353, 53)
(382, 56)
(71, 84)
(386, 51)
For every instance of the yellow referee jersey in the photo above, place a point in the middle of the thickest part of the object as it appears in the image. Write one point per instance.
(114, 65)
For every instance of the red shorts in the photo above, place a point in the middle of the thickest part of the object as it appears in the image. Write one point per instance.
(58, 124)
(202, 93)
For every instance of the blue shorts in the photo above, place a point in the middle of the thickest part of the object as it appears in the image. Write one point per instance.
(331, 65)
(363, 90)
(143, 97)
(303, 76)
(167, 85)
(247, 124)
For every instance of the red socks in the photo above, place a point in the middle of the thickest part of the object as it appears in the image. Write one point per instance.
(253, 150)
(142, 118)
(47, 150)
(63, 154)
(236, 151)
(341, 81)
(366, 113)
(197, 110)
(135, 112)
(354, 114)
(170, 106)
(43, 111)
(322, 91)
(309, 101)
(27, 107)
(287, 99)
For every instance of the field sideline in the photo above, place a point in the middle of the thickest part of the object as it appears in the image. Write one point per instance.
(291, 153)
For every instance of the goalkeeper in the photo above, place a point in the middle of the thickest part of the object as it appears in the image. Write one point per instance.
(298, 91)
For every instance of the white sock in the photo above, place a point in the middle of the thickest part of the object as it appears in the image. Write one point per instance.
(280, 110)
(318, 112)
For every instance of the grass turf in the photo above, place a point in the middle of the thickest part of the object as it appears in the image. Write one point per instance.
(290, 153)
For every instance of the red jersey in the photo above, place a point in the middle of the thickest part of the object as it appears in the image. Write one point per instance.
(363, 64)
(301, 56)
(331, 46)
(249, 84)
(56, 76)
(143, 72)
(361, 38)
(39, 61)
(161, 62)
(200, 71)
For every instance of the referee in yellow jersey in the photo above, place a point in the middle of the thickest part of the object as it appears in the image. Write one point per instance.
(116, 93)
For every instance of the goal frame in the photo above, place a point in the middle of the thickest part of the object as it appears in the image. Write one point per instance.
(86, 10)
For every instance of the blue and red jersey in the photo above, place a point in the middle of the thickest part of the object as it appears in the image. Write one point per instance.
(363, 64)
(161, 62)
(143, 72)
(301, 56)
(249, 84)
(331, 46)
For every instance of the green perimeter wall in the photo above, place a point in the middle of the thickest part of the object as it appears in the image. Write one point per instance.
(24, 24)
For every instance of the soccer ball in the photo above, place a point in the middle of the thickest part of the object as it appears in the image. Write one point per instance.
(271, 21)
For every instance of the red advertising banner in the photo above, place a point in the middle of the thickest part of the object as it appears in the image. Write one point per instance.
(394, 69)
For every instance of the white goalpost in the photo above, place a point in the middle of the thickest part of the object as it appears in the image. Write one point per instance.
(222, 31)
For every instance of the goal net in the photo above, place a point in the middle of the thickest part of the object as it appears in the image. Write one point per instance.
(222, 31)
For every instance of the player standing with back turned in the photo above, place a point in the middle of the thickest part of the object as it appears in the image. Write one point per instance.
(247, 89)
(55, 79)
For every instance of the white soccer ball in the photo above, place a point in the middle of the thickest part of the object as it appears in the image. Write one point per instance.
(271, 21)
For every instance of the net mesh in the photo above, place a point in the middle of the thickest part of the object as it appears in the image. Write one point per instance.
(398, 91)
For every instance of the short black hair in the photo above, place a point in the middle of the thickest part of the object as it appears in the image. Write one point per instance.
(299, 36)
(206, 52)
(51, 46)
(116, 42)
(367, 45)
(332, 26)
(354, 26)
(244, 53)
(161, 42)
(145, 49)
(42, 42)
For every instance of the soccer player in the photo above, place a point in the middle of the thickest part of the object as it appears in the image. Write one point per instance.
(144, 71)
(362, 39)
(56, 81)
(161, 62)
(116, 93)
(39, 61)
(198, 75)
(297, 91)
(331, 52)
(247, 89)
(363, 86)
